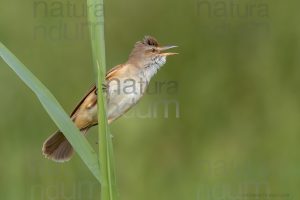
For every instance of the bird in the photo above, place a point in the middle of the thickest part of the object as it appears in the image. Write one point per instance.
(123, 87)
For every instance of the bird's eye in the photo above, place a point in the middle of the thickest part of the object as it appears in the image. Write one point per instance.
(153, 50)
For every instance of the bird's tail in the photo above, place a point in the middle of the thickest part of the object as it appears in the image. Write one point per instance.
(57, 147)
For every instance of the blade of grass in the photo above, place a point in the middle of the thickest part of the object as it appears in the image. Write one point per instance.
(96, 25)
(55, 111)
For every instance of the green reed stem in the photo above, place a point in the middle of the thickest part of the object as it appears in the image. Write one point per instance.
(96, 26)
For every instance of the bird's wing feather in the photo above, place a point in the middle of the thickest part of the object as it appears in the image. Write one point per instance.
(82, 100)
(111, 73)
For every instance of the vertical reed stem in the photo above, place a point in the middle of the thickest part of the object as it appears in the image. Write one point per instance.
(96, 25)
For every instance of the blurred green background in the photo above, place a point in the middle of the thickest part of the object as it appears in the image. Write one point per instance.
(237, 74)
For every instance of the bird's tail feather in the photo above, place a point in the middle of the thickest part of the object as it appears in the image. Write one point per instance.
(58, 148)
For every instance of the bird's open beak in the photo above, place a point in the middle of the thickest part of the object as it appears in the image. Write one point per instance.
(166, 48)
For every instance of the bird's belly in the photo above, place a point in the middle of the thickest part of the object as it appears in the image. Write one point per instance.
(122, 95)
(119, 104)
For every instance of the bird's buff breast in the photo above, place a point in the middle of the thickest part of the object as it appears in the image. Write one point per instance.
(122, 94)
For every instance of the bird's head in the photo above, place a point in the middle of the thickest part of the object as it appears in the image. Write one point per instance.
(149, 52)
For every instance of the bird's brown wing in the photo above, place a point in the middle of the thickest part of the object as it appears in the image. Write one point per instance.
(82, 100)
(111, 73)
